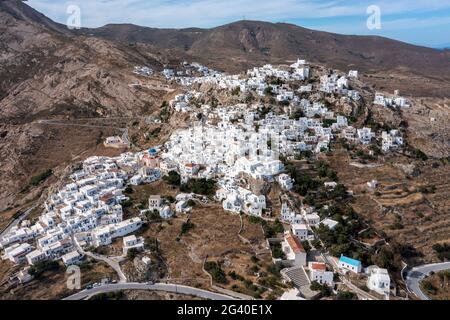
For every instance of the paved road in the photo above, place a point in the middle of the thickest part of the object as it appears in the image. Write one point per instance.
(155, 287)
(114, 263)
(417, 274)
(18, 220)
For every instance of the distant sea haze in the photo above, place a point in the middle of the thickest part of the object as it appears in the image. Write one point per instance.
(443, 46)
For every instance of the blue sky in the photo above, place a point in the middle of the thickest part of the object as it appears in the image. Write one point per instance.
(424, 22)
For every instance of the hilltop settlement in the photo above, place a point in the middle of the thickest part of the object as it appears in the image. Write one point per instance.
(231, 154)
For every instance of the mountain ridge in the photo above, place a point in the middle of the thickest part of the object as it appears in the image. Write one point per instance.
(238, 45)
(259, 42)
(22, 11)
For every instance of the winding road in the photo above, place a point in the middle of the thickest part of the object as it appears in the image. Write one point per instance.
(417, 274)
(174, 288)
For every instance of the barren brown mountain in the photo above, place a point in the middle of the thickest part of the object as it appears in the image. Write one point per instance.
(237, 46)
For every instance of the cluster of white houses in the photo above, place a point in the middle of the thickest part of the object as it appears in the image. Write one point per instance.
(391, 140)
(86, 212)
(395, 101)
(338, 84)
(230, 142)
(255, 79)
(143, 71)
(238, 140)
(261, 80)
(306, 133)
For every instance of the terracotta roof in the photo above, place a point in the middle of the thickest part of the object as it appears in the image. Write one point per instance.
(106, 197)
(295, 244)
(319, 266)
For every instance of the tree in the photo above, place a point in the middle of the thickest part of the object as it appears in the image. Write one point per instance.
(153, 215)
(39, 268)
(429, 287)
(117, 295)
(346, 295)
(216, 272)
(152, 244)
(442, 251)
(128, 190)
(37, 180)
(324, 290)
(386, 259)
(199, 186)
(132, 253)
(297, 115)
(236, 91)
(185, 227)
(268, 91)
(173, 178)
(191, 203)
(171, 199)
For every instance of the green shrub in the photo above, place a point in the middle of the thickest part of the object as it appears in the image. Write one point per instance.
(39, 268)
(346, 295)
(38, 179)
(186, 227)
(199, 186)
(216, 272)
(132, 253)
(173, 178)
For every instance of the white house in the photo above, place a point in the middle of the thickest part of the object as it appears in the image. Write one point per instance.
(155, 202)
(104, 235)
(289, 215)
(166, 212)
(372, 184)
(312, 219)
(391, 140)
(379, 281)
(72, 258)
(349, 264)
(318, 272)
(35, 256)
(294, 250)
(182, 207)
(23, 276)
(132, 242)
(285, 181)
(232, 203)
(353, 74)
(330, 185)
(330, 223)
(365, 135)
(300, 231)
(17, 252)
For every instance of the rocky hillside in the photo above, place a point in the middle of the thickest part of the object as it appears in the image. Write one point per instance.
(45, 72)
(44, 69)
